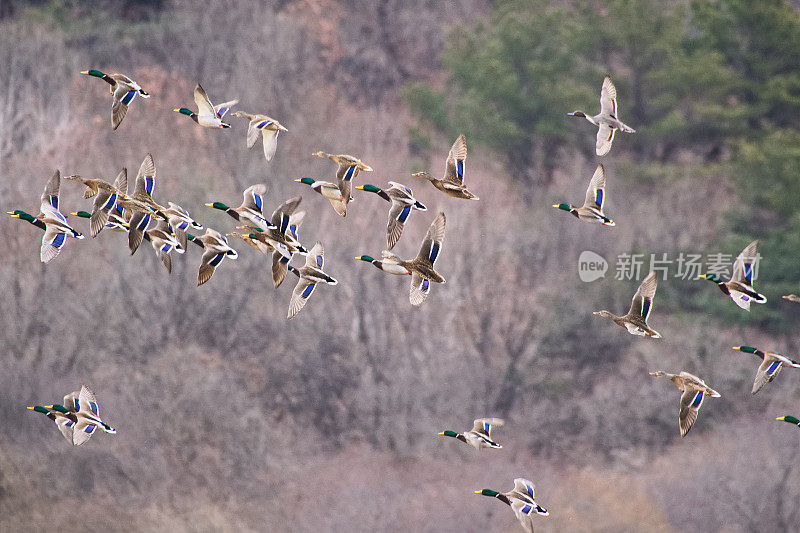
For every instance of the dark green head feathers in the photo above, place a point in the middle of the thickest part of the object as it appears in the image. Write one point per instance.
(218, 205)
(19, 213)
(94, 72)
(307, 181)
(369, 188)
(366, 258)
(745, 349)
(790, 419)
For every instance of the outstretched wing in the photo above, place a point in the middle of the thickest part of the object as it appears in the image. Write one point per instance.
(121, 181)
(454, 172)
(51, 190)
(300, 295)
(146, 178)
(485, 425)
(270, 143)
(767, 371)
(433, 240)
(398, 214)
(316, 256)
(420, 287)
(743, 266)
(595, 194)
(82, 431)
(525, 487)
(53, 241)
(87, 401)
(523, 511)
(208, 264)
(642, 303)
(119, 105)
(280, 217)
(253, 197)
(204, 105)
(605, 136)
(103, 203)
(691, 400)
(222, 109)
(608, 98)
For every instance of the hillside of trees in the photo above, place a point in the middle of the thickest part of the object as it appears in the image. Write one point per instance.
(231, 418)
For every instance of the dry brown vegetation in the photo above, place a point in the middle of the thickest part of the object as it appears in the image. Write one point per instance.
(231, 418)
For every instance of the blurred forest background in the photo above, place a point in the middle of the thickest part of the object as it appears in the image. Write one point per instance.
(232, 418)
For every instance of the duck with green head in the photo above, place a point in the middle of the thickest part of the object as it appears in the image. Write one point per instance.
(311, 275)
(607, 121)
(521, 500)
(251, 211)
(208, 115)
(348, 168)
(452, 184)
(592, 209)
(480, 436)
(79, 416)
(790, 419)
(770, 367)
(123, 91)
(635, 321)
(403, 201)
(330, 191)
(63, 418)
(421, 268)
(216, 248)
(740, 287)
(55, 225)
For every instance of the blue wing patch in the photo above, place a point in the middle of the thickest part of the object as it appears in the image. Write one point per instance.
(217, 259)
(434, 252)
(76, 404)
(404, 214)
(773, 367)
(69, 423)
(95, 408)
(598, 197)
(258, 200)
(646, 303)
(530, 489)
(293, 230)
(262, 124)
(486, 427)
(526, 509)
(54, 201)
(90, 429)
(144, 223)
(183, 225)
(149, 183)
(425, 285)
(59, 239)
(308, 290)
(128, 98)
(460, 168)
(166, 248)
(410, 192)
(697, 400)
(748, 272)
(110, 202)
(349, 174)
(284, 223)
(319, 261)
